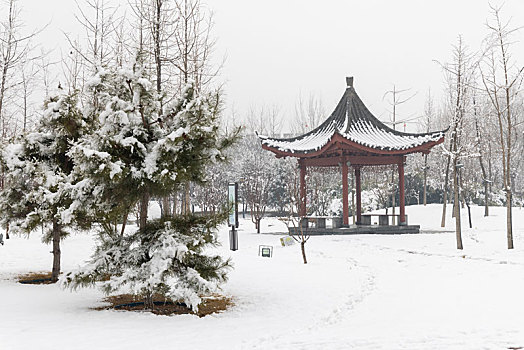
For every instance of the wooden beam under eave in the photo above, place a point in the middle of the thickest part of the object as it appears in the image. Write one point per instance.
(354, 160)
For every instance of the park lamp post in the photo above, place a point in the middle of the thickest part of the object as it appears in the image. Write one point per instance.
(232, 191)
(243, 180)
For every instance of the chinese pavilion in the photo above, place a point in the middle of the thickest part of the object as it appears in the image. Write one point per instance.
(352, 137)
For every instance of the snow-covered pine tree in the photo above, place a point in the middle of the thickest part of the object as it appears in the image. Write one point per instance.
(38, 175)
(138, 153)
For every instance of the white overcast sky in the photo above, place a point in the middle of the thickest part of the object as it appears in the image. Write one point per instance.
(278, 49)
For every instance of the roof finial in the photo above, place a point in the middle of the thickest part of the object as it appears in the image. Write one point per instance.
(349, 82)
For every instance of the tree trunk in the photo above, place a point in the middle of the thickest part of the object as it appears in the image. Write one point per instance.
(486, 198)
(445, 196)
(469, 214)
(509, 220)
(2, 95)
(463, 197)
(456, 206)
(482, 168)
(166, 207)
(124, 223)
(187, 200)
(490, 170)
(56, 251)
(175, 203)
(257, 224)
(303, 248)
(144, 204)
(148, 301)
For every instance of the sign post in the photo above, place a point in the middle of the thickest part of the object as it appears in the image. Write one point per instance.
(232, 194)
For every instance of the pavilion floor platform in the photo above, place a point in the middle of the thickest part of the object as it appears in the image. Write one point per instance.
(360, 230)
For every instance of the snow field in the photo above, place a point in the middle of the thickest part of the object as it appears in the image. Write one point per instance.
(356, 292)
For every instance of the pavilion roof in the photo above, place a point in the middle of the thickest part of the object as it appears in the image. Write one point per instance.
(354, 122)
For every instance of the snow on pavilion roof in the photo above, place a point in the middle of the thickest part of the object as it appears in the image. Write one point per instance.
(354, 122)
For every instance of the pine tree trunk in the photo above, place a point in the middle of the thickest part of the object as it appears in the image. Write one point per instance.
(56, 251)
(148, 301)
(166, 208)
(144, 205)
(124, 223)
(303, 248)
(175, 203)
(187, 200)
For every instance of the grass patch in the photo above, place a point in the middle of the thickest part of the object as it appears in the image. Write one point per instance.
(36, 278)
(210, 304)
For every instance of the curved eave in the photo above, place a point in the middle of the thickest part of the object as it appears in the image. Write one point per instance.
(339, 139)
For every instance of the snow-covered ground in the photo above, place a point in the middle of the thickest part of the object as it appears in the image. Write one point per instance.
(356, 292)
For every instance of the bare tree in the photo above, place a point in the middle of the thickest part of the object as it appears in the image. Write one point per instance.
(97, 18)
(157, 20)
(265, 120)
(122, 47)
(28, 75)
(309, 113)
(460, 74)
(256, 176)
(427, 121)
(176, 37)
(95, 49)
(193, 47)
(47, 75)
(194, 43)
(298, 232)
(15, 50)
(156, 27)
(479, 145)
(294, 221)
(502, 80)
(397, 99)
(72, 70)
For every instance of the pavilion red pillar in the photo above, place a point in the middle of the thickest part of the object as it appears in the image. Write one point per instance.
(359, 197)
(402, 219)
(302, 199)
(345, 190)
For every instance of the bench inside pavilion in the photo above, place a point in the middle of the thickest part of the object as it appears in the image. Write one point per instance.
(353, 137)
